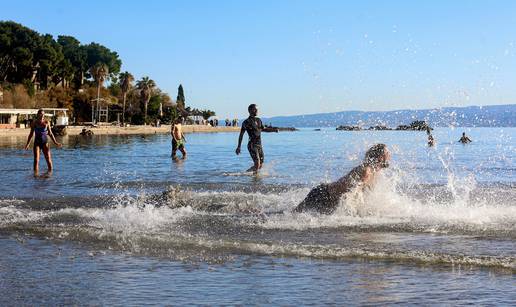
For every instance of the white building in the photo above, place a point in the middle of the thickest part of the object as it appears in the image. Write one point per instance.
(10, 117)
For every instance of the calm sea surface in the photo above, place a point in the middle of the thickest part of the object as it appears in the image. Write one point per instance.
(119, 222)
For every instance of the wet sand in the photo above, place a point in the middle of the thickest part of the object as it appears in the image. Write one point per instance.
(113, 130)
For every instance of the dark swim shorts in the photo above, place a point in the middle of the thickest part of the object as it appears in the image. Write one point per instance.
(178, 144)
(320, 200)
(256, 152)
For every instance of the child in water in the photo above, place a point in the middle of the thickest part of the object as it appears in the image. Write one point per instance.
(325, 198)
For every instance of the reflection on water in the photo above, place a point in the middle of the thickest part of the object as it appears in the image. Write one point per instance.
(439, 223)
(38, 272)
(91, 165)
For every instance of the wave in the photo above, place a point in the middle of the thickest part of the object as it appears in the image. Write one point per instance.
(461, 222)
(188, 235)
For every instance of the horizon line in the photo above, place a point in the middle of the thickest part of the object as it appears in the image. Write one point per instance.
(396, 110)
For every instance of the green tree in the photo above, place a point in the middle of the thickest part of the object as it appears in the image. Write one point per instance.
(126, 80)
(76, 55)
(27, 57)
(49, 58)
(207, 114)
(17, 59)
(96, 53)
(180, 100)
(146, 87)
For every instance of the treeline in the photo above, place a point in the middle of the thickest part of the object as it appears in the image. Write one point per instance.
(39, 71)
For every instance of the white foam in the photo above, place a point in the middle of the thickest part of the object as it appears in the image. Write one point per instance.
(385, 204)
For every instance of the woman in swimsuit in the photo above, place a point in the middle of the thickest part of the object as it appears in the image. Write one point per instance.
(40, 128)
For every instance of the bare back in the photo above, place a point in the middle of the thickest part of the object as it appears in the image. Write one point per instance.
(325, 198)
(360, 175)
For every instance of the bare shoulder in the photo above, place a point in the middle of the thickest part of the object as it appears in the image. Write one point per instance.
(367, 172)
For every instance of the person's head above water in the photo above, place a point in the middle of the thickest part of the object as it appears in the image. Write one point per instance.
(377, 156)
(253, 109)
(40, 114)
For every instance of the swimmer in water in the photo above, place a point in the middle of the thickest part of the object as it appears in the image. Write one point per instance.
(325, 197)
(464, 139)
(431, 141)
(41, 129)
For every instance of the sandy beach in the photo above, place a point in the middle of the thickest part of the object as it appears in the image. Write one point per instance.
(113, 130)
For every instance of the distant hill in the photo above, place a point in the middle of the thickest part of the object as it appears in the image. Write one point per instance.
(474, 116)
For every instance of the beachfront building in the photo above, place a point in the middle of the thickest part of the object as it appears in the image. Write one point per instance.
(16, 118)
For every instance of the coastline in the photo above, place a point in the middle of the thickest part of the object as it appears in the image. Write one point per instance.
(133, 130)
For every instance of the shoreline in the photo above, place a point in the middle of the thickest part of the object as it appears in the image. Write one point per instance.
(133, 130)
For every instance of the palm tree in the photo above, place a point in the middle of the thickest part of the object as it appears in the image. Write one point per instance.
(99, 72)
(146, 86)
(207, 114)
(126, 80)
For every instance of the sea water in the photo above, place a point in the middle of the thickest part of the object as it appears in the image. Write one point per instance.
(438, 227)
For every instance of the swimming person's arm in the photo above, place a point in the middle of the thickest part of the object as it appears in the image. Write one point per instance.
(240, 137)
(30, 136)
(52, 136)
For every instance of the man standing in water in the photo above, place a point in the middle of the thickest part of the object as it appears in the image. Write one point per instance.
(464, 139)
(178, 138)
(325, 198)
(41, 129)
(254, 126)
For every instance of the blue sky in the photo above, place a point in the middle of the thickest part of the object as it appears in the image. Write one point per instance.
(300, 57)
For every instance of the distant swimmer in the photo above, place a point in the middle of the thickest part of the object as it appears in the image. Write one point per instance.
(325, 198)
(431, 141)
(40, 128)
(464, 139)
(254, 126)
(178, 138)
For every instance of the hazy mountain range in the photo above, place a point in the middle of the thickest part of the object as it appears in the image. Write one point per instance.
(473, 116)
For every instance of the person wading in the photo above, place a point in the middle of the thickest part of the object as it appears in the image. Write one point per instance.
(178, 139)
(40, 129)
(253, 126)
